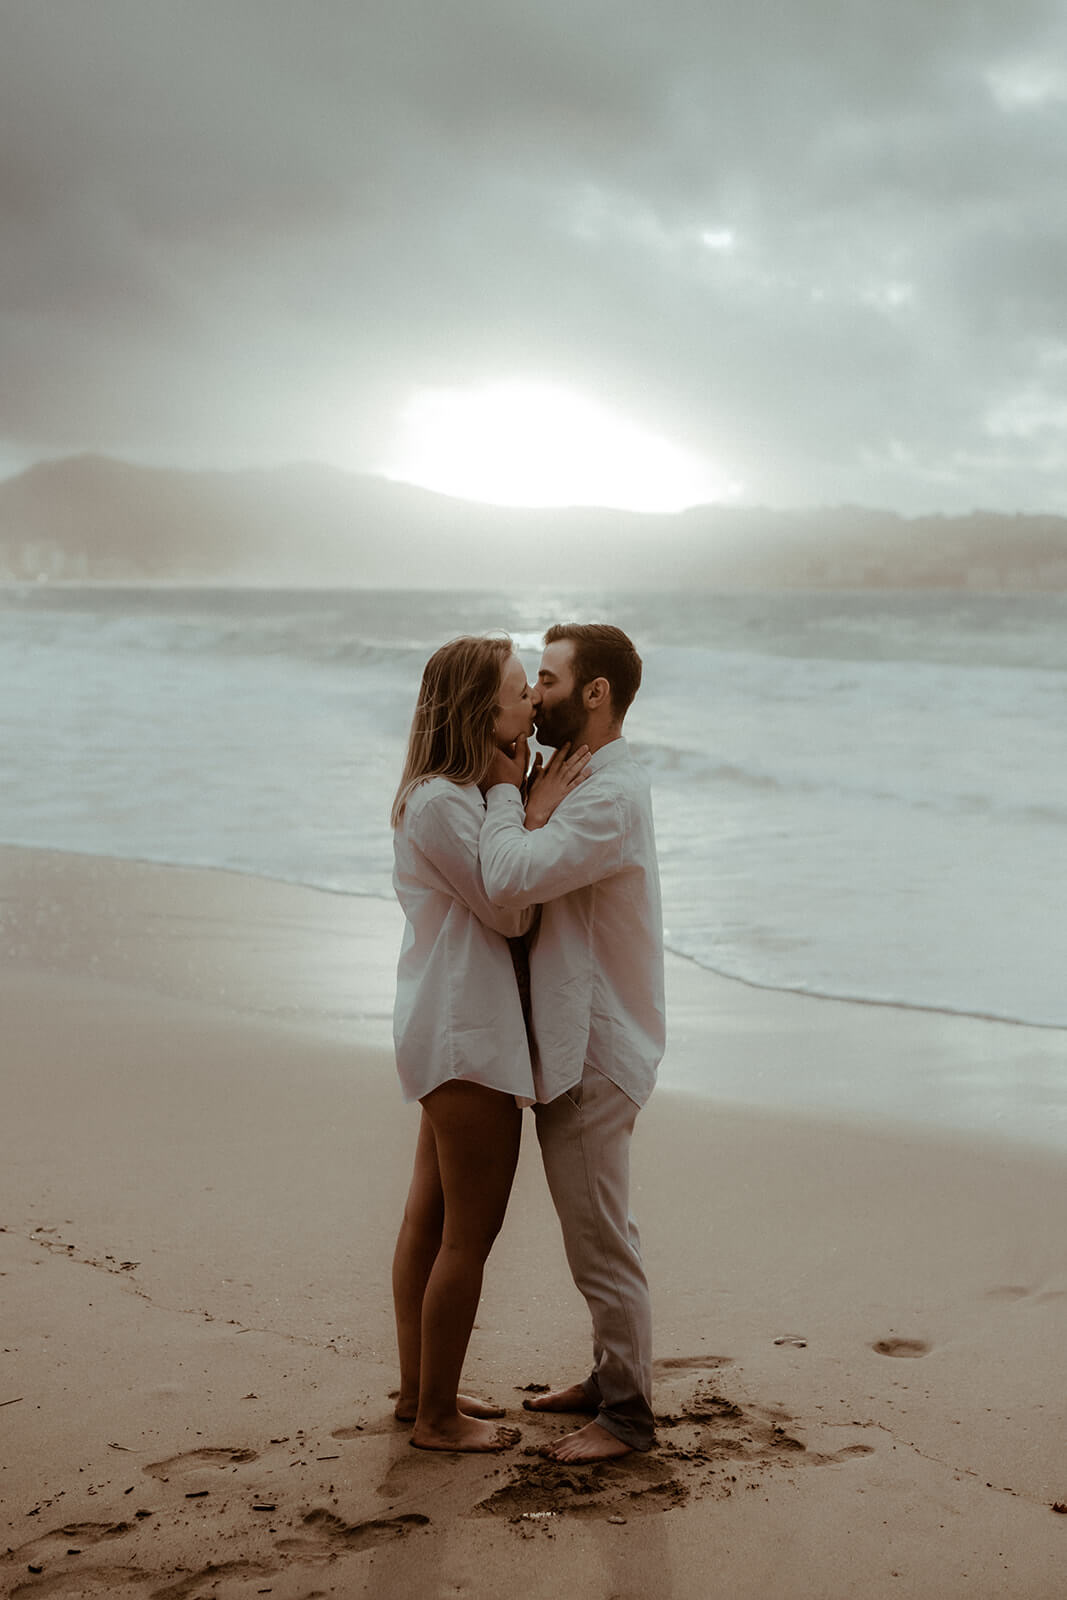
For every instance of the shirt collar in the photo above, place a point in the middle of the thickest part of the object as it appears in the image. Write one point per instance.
(613, 751)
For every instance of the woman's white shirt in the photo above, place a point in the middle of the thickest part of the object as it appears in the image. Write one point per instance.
(457, 1012)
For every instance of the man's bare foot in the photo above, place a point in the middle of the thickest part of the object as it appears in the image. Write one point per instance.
(573, 1398)
(591, 1443)
(407, 1410)
(464, 1433)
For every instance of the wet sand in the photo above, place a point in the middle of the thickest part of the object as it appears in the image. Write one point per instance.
(203, 1154)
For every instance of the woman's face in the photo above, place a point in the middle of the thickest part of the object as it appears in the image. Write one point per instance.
(514, 712)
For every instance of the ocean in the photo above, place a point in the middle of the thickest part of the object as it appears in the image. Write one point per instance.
(858, 795)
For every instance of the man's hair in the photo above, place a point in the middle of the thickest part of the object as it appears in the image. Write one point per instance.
(601, 651)
(452, 729)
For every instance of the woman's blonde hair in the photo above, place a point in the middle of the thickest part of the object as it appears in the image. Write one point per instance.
(452, 729)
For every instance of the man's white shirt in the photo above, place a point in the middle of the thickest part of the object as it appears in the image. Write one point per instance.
(596, 960)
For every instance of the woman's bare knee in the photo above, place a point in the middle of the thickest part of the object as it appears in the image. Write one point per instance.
(471, 1238)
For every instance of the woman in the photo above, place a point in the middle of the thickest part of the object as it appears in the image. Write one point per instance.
(461, 1045)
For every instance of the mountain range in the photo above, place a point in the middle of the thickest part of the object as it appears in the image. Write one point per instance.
(95, 519)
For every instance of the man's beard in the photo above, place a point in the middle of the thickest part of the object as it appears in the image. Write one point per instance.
(563, 724)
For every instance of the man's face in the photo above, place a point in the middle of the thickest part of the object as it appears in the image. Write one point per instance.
(559, 712)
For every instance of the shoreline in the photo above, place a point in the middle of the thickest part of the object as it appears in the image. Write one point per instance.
(729, 1041)
(671, 951)
(203, 1160)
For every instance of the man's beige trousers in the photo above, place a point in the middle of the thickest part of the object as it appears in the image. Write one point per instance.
(585, 1145)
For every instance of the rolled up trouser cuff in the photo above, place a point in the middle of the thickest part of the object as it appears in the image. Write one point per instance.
(641, 1441)
(630, 1421)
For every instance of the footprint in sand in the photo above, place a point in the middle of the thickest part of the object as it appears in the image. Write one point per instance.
(356, 1431)
(87, 1583)
(912, 1348)
(329, 1533)
(836, 1458)
(226, 1456)
(366, 1430)
(208, 1577)
(37, 1556)
(89, 1532)
(691, 1363)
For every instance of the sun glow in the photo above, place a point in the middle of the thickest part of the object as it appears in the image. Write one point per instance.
(524, 443)
(1027, 85)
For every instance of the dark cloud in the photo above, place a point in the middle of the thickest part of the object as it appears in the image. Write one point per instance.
(824, 243)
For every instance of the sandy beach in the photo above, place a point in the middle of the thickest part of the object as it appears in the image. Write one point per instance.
(861, 1326)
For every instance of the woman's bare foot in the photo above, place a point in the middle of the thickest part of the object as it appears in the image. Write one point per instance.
(591, 1443)
(573, 1398)
(464, 1433)
(407, 1410)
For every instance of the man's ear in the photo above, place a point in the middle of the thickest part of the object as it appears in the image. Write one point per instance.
(597, 692)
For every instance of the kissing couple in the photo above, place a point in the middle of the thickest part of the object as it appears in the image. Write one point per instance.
(530, 974)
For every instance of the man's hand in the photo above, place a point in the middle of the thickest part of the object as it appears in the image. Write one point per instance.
(532, 776)
(549, 785)
(508, 766)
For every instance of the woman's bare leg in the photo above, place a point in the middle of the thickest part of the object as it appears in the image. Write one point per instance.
(476, 1134)
(417, 1245)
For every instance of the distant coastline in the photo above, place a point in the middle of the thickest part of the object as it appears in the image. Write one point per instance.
(91, 519)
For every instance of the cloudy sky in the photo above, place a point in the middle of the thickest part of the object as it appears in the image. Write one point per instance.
(787, 252)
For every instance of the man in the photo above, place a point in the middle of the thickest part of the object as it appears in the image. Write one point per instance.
(596, 974)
